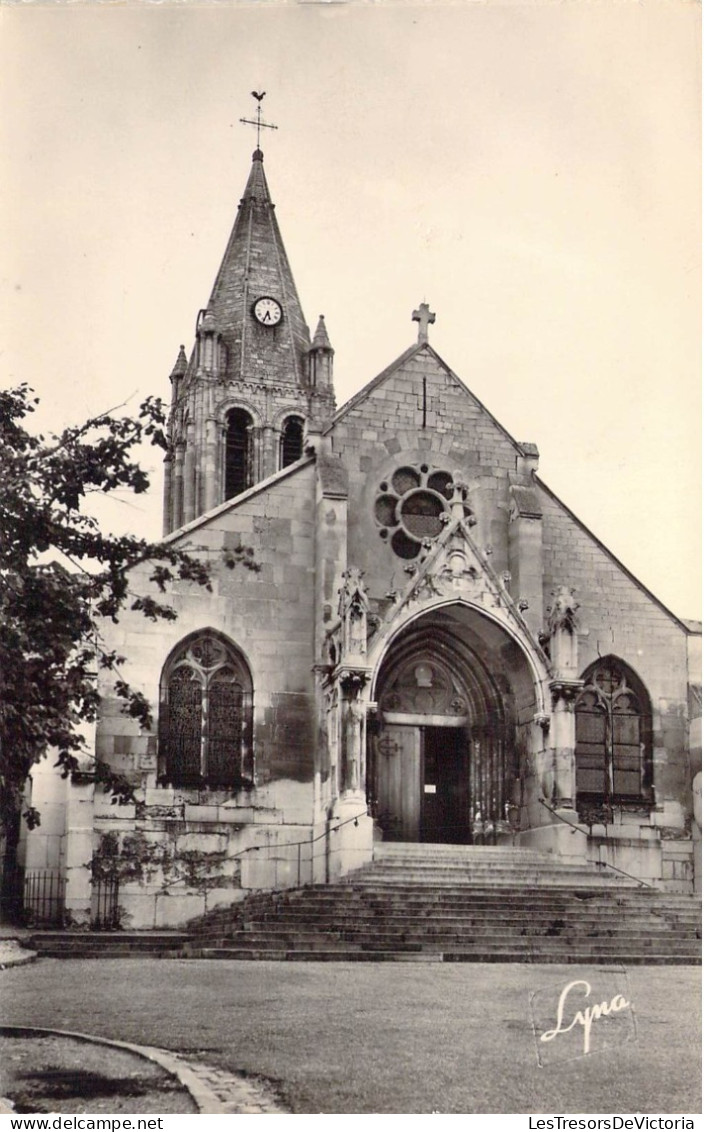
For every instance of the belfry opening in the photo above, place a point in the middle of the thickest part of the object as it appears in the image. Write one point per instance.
(446, 760)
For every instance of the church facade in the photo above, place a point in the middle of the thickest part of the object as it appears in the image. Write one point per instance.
(408, 637)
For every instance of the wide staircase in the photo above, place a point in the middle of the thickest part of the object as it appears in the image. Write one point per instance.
(450, 903)
(67, 944)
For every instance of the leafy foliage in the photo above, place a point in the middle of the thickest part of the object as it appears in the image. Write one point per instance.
(134, 858)
(61, 576)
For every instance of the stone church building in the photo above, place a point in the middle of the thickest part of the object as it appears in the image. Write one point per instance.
(409, 637)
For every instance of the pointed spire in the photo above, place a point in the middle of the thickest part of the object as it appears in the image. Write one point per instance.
(320, 339)
(256, 187)
(320, 359)
(255, 265)
(180, 365)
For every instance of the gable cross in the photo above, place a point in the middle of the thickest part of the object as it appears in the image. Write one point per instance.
(425, 318)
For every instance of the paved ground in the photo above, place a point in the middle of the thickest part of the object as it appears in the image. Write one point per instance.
(53, 1073)
(56, 1071)
(12, 954)
(401, 1038)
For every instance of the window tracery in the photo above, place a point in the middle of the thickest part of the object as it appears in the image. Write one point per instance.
(412, 507)
(205, 715)
(614, 745)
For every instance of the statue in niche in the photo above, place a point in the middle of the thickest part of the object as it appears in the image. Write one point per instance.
(563, 611)
(354, 610)
(563, 627)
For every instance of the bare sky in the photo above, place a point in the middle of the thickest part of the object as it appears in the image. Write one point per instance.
(532, 170)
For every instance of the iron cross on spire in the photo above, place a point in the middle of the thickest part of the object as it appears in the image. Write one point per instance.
(424, 317)
(258, 124)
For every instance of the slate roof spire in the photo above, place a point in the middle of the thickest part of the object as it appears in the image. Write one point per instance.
(255, 264)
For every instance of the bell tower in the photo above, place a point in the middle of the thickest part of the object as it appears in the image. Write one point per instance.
(254, 380)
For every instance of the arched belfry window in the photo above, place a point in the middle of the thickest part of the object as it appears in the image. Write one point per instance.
(205, 715)
(239, 453)
(291, 445)
(614, 737)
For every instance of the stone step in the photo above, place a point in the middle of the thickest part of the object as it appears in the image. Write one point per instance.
(670, 928)
(460, 904)
(72, 944)
(413, 932)
(502, 859)
(501, 856)
(88, 952)
(402, 942)
(520, 877)
(495, 868)
(464, 956)
(344, 955)
(481, 893)
(463, 904)
(468, 911)
(647, 920)
(548, 880)
(412, 899)
(426, 850)
(410, 929)
(487, 933)
(409, 926)
(379, 903)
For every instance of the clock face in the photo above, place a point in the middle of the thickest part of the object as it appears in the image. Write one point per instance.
(267, 311)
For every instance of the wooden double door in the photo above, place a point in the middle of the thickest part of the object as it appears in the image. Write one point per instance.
(423, 783)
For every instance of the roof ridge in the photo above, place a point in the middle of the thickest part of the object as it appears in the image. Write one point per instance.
(243, 496)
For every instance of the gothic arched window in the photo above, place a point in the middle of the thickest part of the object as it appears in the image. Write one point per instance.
(291, 445)
(239, 474)
(205, 715)
(614, 737)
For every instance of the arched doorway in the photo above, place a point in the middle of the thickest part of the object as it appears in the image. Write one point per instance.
(455, 701)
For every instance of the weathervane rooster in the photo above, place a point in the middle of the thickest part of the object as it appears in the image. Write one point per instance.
(258, 124)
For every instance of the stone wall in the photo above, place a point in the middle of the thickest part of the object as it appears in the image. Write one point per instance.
(382, 430)
(269, 616)
(619, 617)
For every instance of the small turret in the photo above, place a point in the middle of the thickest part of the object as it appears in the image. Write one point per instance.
(208, 341)
(177, 374)
(180, 365)
(320, 358)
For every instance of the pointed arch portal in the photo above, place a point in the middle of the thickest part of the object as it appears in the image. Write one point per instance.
(455, 700)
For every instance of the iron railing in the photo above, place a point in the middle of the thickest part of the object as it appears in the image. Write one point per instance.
(600, 864)
(104, 906)
(44, 898)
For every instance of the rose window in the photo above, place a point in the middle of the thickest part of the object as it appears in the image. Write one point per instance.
(412, 507)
